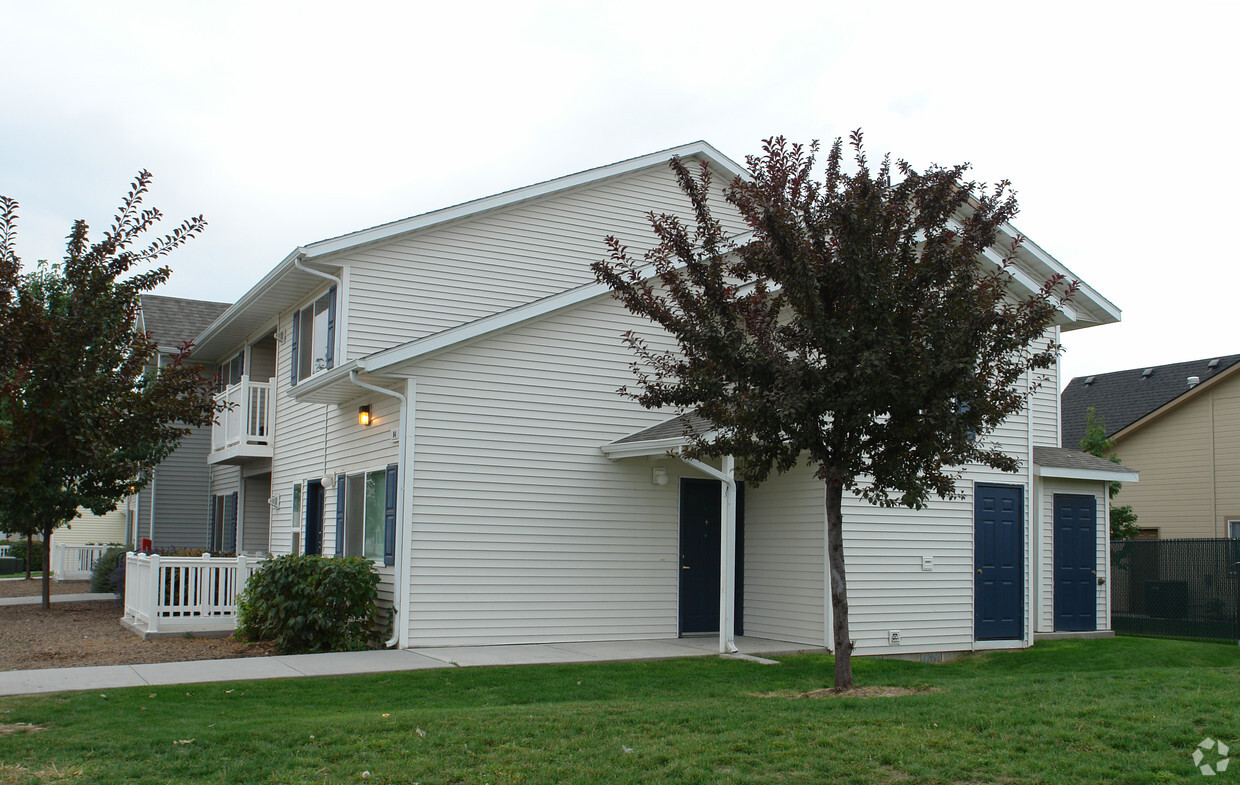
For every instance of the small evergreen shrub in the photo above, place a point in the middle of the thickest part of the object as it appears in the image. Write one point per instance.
(311, 604)
(103, 576)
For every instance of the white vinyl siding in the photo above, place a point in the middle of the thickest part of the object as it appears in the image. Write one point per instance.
(426, 282)
(1044, 403)
(91, 529)
(522, 530)
(785, 575)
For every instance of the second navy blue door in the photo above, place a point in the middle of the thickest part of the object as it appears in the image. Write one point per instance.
(1076, 562)
(998, 556)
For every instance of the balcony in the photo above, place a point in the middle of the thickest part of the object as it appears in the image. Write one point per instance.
(242, 433)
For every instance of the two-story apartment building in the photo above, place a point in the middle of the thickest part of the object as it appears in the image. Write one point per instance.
(439, 394)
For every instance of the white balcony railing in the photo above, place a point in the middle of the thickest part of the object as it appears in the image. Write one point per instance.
(75, 562)
(247, 420)
(181, 595)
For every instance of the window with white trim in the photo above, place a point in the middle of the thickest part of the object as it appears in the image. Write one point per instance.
(1233, 528)
(314, 337)
(365, 500)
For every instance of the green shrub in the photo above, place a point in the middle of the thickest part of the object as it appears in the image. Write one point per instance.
(18, 549)
(104, 575)
(311, 604)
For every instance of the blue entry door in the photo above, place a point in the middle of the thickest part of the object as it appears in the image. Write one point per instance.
(998, 556)
(1076, 562)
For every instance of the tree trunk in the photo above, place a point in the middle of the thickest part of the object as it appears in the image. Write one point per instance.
(29, 548)
(839, 586)
(47, 566)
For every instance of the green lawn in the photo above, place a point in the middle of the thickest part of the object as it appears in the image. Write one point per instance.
(1125, 710)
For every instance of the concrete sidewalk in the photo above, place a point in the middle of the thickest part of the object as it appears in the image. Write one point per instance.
(37, 599)
(349, 663)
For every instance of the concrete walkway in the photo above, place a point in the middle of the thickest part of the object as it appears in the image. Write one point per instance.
(38, 599)
(349, 663)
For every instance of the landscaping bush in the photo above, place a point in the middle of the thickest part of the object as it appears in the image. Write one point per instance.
(103, 576)
(18, 549)
(311, 604)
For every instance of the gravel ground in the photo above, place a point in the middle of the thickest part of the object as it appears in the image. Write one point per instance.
(34, 587)
(90, 633)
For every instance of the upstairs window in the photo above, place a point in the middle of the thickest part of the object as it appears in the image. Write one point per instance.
(314, 337)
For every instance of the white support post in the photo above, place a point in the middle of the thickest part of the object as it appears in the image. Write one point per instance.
(727, 557)
(152, 624)
(727, 549)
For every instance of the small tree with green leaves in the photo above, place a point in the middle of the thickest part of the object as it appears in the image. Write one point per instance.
(1096, 442)
(857, 327)
(85, 413)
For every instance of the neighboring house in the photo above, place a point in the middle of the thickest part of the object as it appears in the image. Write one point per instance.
(1180, 423)
(168, 509)
(439, 394)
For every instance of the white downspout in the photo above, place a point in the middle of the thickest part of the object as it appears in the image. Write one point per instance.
(400, 625)
(727, 550)
(297, 263)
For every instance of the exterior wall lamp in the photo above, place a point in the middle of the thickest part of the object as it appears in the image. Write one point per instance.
(363, 415)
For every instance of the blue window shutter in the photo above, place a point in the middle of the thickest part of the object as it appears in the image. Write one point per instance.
(331, 326)
(233, 523)
(340, 483)
(210, 524)
(389, 518)
(296, 330)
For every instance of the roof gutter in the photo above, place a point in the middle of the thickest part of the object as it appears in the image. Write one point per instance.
(400, 624)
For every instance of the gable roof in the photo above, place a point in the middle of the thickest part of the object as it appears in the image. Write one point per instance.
(1123, 398)
(285, 286)
(171, 321)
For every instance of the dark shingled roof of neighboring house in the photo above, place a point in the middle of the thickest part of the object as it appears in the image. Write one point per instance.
(1123, 397)
(173, 320)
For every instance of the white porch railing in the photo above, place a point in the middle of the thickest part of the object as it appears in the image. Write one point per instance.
(75, 562)
(4, 551)
(184, 594)
(247, 420)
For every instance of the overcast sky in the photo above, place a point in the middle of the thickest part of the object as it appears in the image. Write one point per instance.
(288, 123)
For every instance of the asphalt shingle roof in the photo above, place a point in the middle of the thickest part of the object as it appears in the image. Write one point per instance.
(172, 320)
(1062, 458)
(1123, 397)
(669, 429)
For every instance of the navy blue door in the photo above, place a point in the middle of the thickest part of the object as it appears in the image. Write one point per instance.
(700, 518)
(314, 517)
(998, 556)
(1076, 562)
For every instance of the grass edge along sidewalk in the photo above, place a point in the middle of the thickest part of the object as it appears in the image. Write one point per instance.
(1121, 710)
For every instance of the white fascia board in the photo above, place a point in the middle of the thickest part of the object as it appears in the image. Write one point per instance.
(1111, 313)
(249, 297)
(615, 452)
(305, 388)
(1028, 284)
(1062, 473)
(386, 231)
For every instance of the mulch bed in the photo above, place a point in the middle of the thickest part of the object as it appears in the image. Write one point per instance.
(72, 634)
(34, 588)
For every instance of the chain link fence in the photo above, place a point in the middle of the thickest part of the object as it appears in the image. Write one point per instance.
(1176, 588)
